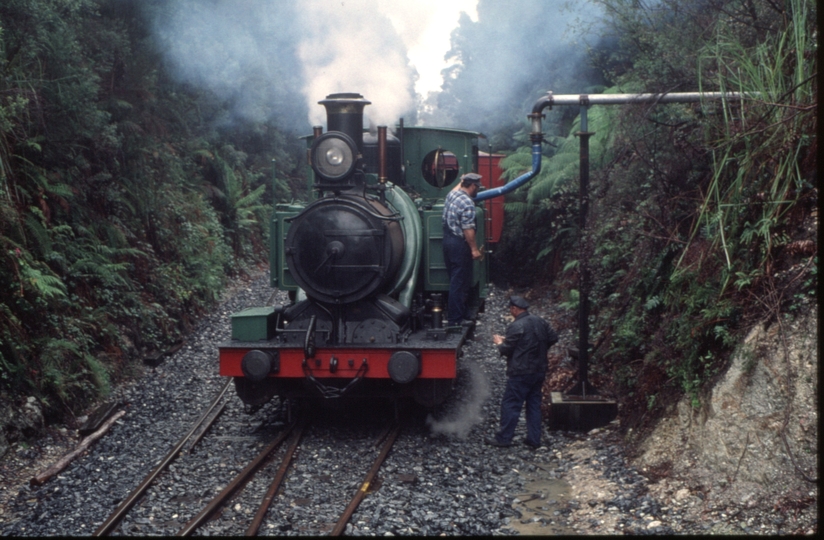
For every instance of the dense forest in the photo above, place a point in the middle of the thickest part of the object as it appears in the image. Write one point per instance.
(132, 191)
(128, 199)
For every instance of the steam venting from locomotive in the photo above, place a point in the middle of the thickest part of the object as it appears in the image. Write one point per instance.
(270, 60)
(467, 410)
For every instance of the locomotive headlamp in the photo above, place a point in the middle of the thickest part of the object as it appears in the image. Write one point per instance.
(333, 156)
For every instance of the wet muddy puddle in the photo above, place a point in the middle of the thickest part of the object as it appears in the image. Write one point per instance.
(541, 503)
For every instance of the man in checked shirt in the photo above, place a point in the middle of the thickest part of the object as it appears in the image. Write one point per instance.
(459, 244)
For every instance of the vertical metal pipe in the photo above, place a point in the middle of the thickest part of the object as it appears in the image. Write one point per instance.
(317, 131)
(488, 212)
(403, 155)
(583, 387)
(382, 154)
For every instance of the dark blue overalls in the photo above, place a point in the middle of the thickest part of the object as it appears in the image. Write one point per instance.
(458, 259)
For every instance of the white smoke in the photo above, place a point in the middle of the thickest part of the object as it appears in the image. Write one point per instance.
(238, 50)
(351, 46)
(467, 410)
(278, 59)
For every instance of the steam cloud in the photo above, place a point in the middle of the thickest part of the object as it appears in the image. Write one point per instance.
(515, 52)
(466, 412)
(241, 50)
(351, 47)
(276, 60)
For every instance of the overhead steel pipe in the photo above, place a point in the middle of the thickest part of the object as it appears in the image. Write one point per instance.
(551, 100)
(586, 100)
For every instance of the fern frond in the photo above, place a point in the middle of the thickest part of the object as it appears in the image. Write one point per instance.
(42, 283)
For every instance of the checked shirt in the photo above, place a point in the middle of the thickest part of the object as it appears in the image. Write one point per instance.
(459, 212)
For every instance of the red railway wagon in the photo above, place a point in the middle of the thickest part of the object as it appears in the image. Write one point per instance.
(489, 167)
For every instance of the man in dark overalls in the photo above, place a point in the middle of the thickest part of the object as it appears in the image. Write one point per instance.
(459, 245)
(525, 345)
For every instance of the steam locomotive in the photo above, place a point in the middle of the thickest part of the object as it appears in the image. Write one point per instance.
(363, 266)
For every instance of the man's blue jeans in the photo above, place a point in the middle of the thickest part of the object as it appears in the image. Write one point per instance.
(521, 389)
(458, 259)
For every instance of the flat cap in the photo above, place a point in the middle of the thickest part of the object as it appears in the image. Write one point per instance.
(472, 178)
(519, 302)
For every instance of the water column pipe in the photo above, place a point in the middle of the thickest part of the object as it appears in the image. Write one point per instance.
(585, 101)
(583, 388)
(536, 137)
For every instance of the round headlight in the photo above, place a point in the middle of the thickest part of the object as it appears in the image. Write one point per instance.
(333, 156)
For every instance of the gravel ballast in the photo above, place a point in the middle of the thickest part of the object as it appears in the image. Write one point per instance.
(440, 477)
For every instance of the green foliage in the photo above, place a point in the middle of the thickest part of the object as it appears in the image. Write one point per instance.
(115, 231)
(570, 302)
(757, 177)
(239, 203)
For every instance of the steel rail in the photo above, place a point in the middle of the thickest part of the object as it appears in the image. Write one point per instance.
(361, 493)
(270, 495)
(120, 512)
(206, 427)
(243, 477)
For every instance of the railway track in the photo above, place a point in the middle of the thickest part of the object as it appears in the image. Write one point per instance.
(289, 440)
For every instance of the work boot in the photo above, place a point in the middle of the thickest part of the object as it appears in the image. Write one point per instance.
(494, 442)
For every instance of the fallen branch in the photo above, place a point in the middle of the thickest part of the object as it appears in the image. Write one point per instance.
(44, 476)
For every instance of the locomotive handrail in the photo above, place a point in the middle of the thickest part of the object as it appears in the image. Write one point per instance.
(392, 217)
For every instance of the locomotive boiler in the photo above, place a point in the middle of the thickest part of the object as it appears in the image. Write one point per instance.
(363, 265)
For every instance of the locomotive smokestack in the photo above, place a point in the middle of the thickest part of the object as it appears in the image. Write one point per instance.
(344, 113)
